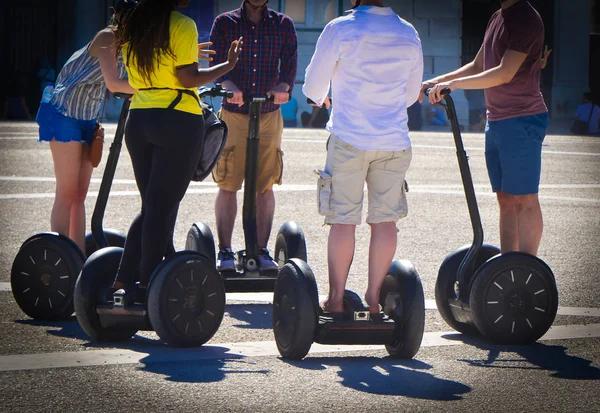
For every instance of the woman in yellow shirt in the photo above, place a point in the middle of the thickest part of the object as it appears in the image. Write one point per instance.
(165, 129)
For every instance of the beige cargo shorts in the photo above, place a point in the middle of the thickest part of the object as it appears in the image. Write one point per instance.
(341, 185)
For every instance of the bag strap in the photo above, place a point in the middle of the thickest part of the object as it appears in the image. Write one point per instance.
(177, 99)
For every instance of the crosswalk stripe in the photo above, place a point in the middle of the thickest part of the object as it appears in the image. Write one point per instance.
(222, 351)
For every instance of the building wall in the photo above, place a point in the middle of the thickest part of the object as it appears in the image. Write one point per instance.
(438, 22)
(570, 56)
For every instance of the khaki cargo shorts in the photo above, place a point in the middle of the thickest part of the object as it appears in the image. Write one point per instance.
(341, 184)
(229, 171)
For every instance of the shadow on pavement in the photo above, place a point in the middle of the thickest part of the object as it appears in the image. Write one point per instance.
(537, 356)
(388, 377)
(254, 316)
(198, 371)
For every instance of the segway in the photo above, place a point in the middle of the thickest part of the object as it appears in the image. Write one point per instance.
(290, 243)
(45, 269)
(298, 319)
(509, 298)
(185, 300)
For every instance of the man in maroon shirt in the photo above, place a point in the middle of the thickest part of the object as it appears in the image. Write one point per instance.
(267, 66)
(508, 67)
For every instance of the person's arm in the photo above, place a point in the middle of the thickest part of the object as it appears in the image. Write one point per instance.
(288, 63)
(322, 65)
(192, 76)
(219, 38)
(545, 57)
(103, 48)
(413, 86)
(473, 68)
(184, 40)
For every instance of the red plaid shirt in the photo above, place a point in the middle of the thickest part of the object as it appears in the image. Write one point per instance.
(269, 56)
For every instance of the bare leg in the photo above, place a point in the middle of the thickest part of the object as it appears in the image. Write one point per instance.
(67, 164)
(77, 221)
(531, 224)
(340, 251)
(225, 212)
(381, 253)
(509, 221)
(265, 210)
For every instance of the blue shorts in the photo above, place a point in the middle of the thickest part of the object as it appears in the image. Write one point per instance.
(55, 125)
(513, 153)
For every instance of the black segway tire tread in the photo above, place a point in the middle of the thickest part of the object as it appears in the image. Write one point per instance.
(295, 318)
(514, 299)
(115, 239)
(201, 240)
(43, 276)
(410, 320)
(186, 300)
(444, 285)
(91, 288)
(289, 243)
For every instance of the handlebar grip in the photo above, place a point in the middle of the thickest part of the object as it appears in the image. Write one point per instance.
(445, 92)
(263, 98)
(121, 95)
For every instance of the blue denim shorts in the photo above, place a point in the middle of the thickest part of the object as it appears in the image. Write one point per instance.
(55, 125)
(513, 153)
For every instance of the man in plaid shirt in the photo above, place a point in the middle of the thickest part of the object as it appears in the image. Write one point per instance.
(267, 66)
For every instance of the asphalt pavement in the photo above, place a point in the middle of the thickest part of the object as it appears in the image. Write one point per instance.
(52, 366)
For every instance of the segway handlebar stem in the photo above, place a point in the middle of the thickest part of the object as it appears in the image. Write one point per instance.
(107, 178)
(467, 266)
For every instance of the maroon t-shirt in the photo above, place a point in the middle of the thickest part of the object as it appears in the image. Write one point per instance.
(519, 28)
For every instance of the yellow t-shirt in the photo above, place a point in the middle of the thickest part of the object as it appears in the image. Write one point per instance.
(184, 45)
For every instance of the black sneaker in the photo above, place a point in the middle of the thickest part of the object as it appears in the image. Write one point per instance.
(265, 261)
(226, 260)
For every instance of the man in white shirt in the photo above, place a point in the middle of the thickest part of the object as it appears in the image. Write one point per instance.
(374, 62)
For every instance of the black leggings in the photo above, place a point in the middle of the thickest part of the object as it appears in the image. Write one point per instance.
(165, 147)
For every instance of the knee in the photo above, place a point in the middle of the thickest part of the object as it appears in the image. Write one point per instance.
(227, 195)
(508, 203)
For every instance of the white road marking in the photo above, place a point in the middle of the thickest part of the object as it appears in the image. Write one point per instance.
(294, 188)
(224, 351)
(267, 298)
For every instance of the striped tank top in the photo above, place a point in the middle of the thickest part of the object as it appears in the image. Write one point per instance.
(80, 86)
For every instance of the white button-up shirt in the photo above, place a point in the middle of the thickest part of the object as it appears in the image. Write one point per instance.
(374, 62)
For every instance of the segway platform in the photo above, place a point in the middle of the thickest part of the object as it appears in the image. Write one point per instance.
(298, 320)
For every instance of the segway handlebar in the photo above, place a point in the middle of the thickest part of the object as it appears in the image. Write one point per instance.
(215, 92)
(312, 102)
(467, 266)
(258, 98)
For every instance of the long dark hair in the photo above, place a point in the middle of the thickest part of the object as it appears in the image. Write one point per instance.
(145, 30)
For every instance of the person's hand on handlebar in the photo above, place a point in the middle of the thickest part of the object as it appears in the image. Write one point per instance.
(238, 95)
(428, 84)
(280, 93)
(326, 103)
(435, 94)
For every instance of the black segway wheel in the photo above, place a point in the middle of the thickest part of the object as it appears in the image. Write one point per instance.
(290, 243)
(186, 300)
(514, 299)
(91, 290)
(444, 286)
(115, 239)
(200, 239)
(403, 301)
(295, 302)
(43, 276)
